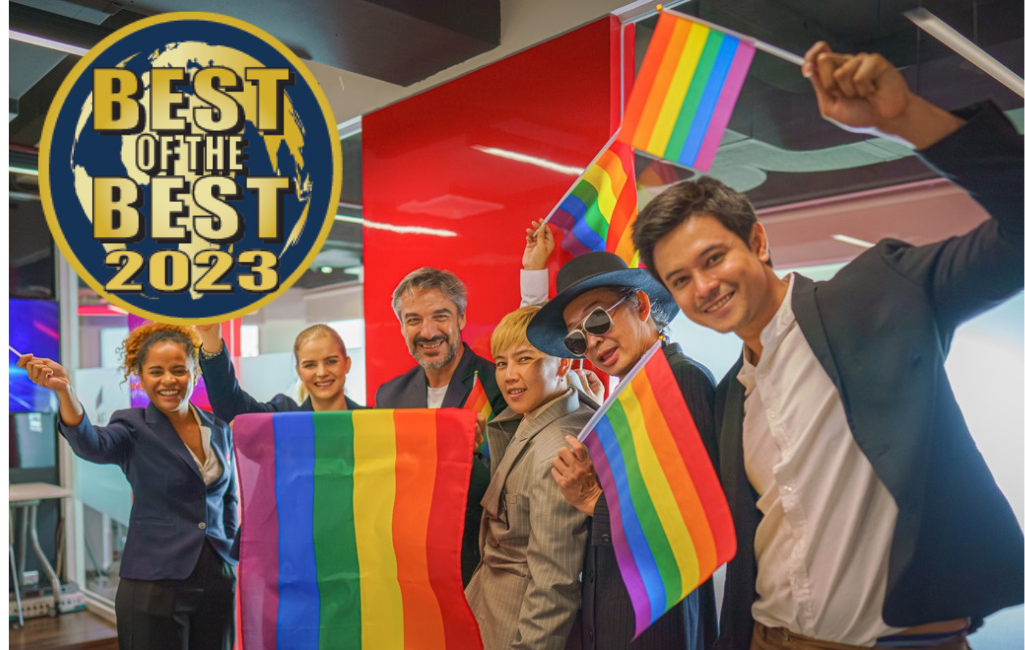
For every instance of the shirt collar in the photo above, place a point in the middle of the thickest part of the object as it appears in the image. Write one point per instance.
(770, 336)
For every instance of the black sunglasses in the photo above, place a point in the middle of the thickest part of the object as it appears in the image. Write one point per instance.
(597, 323)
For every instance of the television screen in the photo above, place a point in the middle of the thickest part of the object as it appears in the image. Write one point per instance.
(34, 327)
(31, 262)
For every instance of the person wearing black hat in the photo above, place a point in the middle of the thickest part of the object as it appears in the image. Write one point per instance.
(612, 314)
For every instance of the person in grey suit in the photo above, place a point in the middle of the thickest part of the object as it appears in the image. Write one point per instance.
(526, 591)
(865, 514)
(177, 583)
(431, 307)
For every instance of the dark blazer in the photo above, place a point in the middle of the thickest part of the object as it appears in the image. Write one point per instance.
(173, 511)
(229, 400)
(607, 621)
(409, 390)
(881, 330)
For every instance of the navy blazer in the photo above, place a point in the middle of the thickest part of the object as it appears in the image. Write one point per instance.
(228, 400)
(409, 390)
(173, 511)
(881, 330)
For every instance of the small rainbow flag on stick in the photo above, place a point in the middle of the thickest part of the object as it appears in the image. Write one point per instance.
(601, 207)
(685, 92)
(671, 525)
(352, 530)
(477, 401)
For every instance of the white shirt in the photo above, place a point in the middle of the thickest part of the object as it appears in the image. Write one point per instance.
(824, 544)
(435, 396)
(211, 469)
(533, 287)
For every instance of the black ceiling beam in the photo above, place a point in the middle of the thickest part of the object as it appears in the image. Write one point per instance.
(29, 20)
(397, 41)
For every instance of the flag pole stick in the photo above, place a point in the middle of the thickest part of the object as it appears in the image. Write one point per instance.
(571, 187)
(768, 48)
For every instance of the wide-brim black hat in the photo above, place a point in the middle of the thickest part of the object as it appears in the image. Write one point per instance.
(547, 330)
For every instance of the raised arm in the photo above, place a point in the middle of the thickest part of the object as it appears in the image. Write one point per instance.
(865, 93)
(110, 444)
(50, 374)
(226, 396)
(977, 148)
(534, 276)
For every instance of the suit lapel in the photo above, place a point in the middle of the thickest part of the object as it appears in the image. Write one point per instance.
(416, 396)
(731, 441)
(519, 444)
(165, 431)
(808, 319)
(216, 443)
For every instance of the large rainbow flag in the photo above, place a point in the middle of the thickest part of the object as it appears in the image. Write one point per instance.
(671, 525)
(353, 530)
(685, 92)
(599, 211)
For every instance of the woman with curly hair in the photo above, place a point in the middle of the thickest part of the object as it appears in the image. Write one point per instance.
(320, 362)
(177, 582)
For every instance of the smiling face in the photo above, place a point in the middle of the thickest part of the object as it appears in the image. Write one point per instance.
(432, 326)
(322, 366)
(631, 335)
(717, 279)
(168, 376)
(528, 378)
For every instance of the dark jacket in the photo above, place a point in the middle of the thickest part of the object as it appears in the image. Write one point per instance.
(228, 399)
(881, 330)
(409, 390)
(173, 511)
(607, 618)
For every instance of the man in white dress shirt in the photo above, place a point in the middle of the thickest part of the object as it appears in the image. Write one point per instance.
(865, 515)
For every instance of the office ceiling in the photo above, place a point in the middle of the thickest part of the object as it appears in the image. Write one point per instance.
(367, 54)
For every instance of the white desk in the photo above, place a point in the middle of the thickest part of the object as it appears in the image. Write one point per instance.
(26, 497)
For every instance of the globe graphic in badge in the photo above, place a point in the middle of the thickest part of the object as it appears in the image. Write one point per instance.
(94, 155)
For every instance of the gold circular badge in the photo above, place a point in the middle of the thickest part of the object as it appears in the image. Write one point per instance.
(190, 168)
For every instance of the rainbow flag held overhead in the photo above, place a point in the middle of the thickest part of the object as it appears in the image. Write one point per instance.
(353, 529)
(477, 401)
(671, 525)
(598, 213)
(685, 92)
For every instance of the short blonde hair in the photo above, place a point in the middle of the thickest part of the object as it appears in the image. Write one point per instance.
(512, 330)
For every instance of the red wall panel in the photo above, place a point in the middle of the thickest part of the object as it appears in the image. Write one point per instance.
(426, 165)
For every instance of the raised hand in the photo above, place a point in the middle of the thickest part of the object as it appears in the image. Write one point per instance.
(865, 93)
(540, 244)
(574, 474)
(45, 372)
(210, 335)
